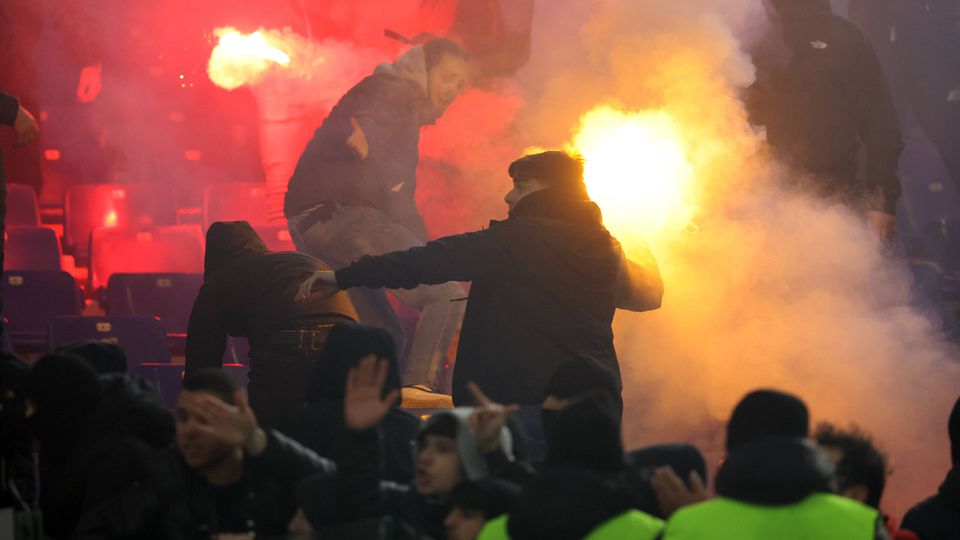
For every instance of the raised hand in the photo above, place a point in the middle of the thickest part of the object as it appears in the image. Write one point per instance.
(233, 424)
(363, 406)
(358, 140)
(672, 493)
(322, 284)
(487, 419)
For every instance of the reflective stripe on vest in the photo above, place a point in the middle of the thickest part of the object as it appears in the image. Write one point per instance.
(820, 516)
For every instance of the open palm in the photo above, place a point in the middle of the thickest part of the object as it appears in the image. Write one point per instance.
(363, 403)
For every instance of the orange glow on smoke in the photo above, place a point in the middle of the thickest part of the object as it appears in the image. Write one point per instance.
(110, 220)
(240, 59)
(637, 169)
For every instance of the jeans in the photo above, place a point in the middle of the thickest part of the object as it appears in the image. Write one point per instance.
(355, 231)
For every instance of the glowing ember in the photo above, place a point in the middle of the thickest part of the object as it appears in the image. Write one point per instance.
(636, 168)
(240, 59)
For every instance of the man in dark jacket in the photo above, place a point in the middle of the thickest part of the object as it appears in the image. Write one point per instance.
(821, 95)
(545, 284)
(320, 423)
(939, 516)
(774, 483)
(248, 292)
(352, 191)
(228, 475)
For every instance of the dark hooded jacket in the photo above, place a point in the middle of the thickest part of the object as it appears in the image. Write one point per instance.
(9, 106)
(545, 285)
(249, 292)
(320, 423)
(390, 106)
(821, 94)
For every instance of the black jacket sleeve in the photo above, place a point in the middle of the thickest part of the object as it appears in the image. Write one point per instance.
(9, 105)
(357, 454)
(462, 257)
(287, 462)
(639, 286)
(878, 125)
(206, 334)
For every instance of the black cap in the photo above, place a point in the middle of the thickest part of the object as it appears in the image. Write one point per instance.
(767, 413)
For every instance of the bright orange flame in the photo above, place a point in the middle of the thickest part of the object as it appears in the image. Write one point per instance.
(240, 59)
(110, 220)
(637, 169)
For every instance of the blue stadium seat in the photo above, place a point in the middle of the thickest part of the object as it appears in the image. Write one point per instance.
(168, 296)
(31, 299)
(142, 338)
(31, 248)
(167, 378)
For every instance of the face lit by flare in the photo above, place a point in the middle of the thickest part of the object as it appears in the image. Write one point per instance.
(445, 81)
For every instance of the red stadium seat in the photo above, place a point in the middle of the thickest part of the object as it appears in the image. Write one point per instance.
(89, 206)
(235, 201)
(31, 248)
(176, 248)
(22, 206)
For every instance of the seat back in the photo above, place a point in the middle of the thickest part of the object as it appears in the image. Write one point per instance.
(31, 299)
(142, 338)
(170, 249)
(235, 201)
(89, 206)
(22, 206)
(31, 248)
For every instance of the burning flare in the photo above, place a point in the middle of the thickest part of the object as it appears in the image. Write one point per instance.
(240, 59)
(636, 168)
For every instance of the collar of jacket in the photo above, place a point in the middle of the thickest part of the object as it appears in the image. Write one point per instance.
(775, 471)
(558, 204)
(950, 488)
(411, 66)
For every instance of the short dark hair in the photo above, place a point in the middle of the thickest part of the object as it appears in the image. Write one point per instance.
(214, 381)
(767, 413)
(441, 424)
(554, 168)
(862, 463)
(435, 49)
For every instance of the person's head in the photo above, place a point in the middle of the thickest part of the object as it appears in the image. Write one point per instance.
(954, 431)
(578, 377)
(537, 172)
(346, 345)
(446, 64)
(200, 449)
(800, 8)
(682, 458)
(439, 468)
(228, 240)
(861, 470)
(767, 413)
(104, 357)
(586, 433)
(62, 393)
(476, 502)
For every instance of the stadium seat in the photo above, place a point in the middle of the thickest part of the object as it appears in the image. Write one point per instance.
(167, 378)
(89, 206)
(142, 338)
(167, 296)
(31, 248)
(31, 299)
(235, 201)
(170, 249)
(22, 206)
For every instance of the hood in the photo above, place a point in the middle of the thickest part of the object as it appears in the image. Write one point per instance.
(130, 406)
(586, 434)
(66, 392)
(565, 503)
(346, 345)
(411, 65)
(104, 357)
(227, 241)
(775, 471)
(559, 204)
(474, 465)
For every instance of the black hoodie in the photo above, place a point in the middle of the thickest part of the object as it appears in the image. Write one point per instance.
(545, 285)
(249, 292)
(821, 94)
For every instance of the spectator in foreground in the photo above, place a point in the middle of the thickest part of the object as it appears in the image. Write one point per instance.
(320, 423)
(475, 503)
(939, 516)
(774, 483)
(248, 291)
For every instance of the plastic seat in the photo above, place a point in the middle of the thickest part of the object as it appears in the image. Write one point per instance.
(89, 206)
(235, 201)
(31, 248)
(31, 299)
(171, 249)
(143, 338)
(22, 206)
(168, 378)
(166, 296)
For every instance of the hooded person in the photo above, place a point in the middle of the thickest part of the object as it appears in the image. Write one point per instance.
(352, 192)
(248, 292)
(939, 515)
(17, 482)
(104, 357)
(821, 96)
(774, 482)
(320, 423)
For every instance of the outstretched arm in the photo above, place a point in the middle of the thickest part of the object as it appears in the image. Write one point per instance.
(639, 287)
